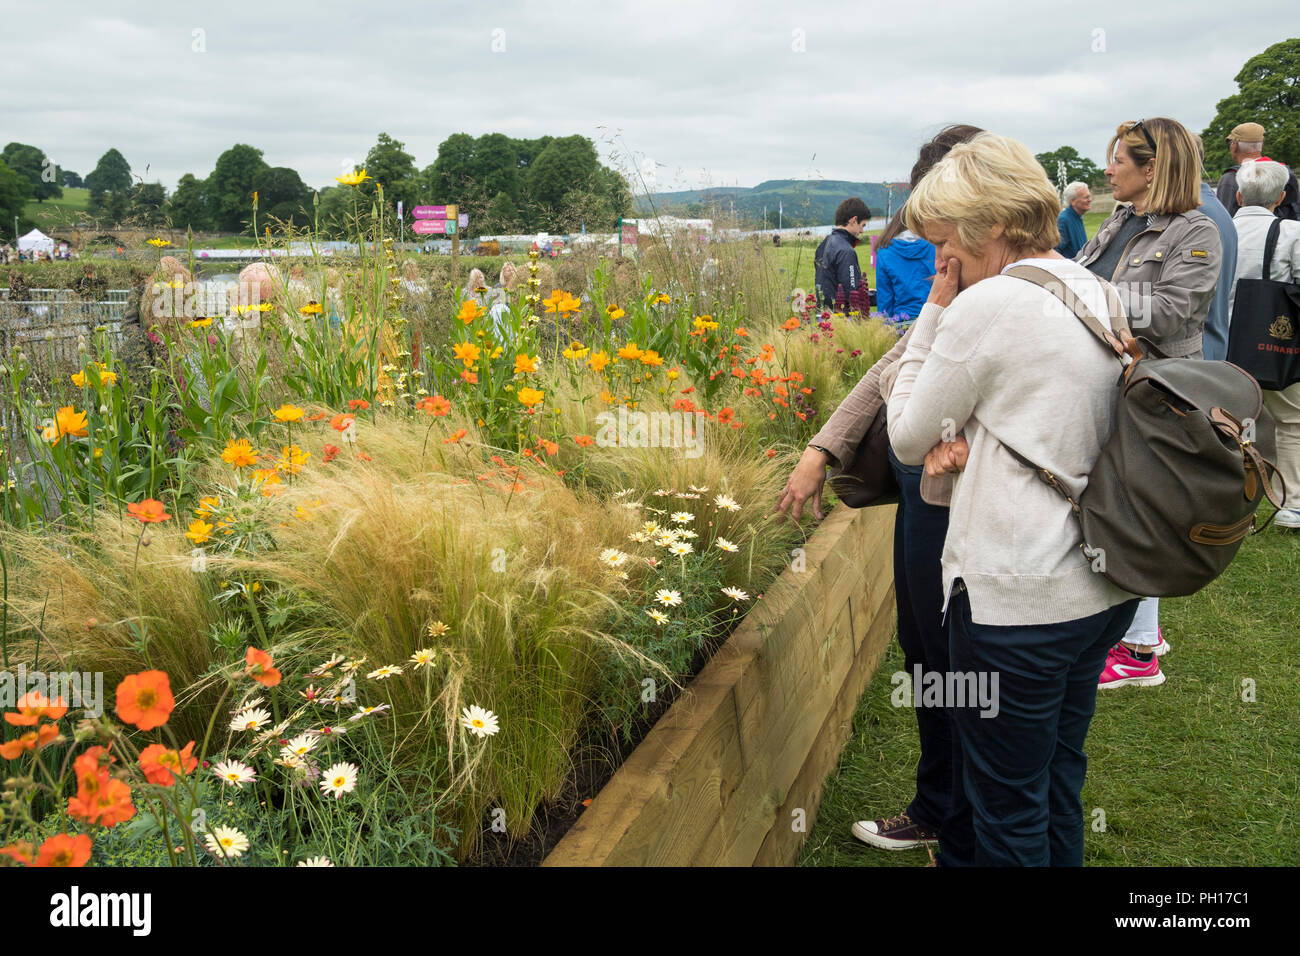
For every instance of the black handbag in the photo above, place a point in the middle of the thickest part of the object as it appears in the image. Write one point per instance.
(870, 480)
(1264, 334)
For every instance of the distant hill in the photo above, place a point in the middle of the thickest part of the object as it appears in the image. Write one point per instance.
(807, 202)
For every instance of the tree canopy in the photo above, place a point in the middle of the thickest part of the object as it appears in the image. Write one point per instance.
(1268, 93)
(32, 164)
(230, 187)
(15, 190)
(1077, 168)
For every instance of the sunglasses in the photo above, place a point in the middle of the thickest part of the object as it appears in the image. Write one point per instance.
(1139, 125)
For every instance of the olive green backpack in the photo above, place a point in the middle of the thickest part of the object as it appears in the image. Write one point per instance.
(1175, 490)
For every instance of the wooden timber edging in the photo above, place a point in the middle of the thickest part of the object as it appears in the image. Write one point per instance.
(732, 774)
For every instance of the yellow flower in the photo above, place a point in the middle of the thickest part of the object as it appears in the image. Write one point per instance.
(99, 453)
(292, 459)
(469, 311)
(200, 323)
(311, 308)
(200, 531)
(614, 312)
(630, 352)
(158, 243)
(651, 357)
(79, 380)
(353, 178)
(68, 421)
(575, 351)
(288, 413)
(672, 374)
(496, 353)
(467, 352)
(238, 454)
(530, 396)
(705, 322)
(524, 364)
(207, 505)
(598, 361)
(662, 298)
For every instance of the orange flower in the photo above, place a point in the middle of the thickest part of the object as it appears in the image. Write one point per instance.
(108, 806)
(771, 453)
(585, 441)
(455, 436)
(145, 699)
(469, 311)
(469, 376)
(358, 404)
(259, 667)
(726, 415)
(524, 364)
(341, 423)
(33, 706)
(32, 740)
(529, 396)
(288, 413)
(69, 421)
(239, 453)
(434, 405)
(362, 456)
(330, 453)
(741, 331)
(162, 765)
(87, 768)
(599, 361)
(550, 446)
(148, 511)
(790, 324)
(64, 850)
(22, 851)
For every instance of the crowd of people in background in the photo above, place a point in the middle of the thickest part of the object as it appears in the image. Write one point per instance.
(988, 571)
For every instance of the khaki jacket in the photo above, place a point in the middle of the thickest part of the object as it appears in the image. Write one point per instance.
(1166, 276)
(847, 426)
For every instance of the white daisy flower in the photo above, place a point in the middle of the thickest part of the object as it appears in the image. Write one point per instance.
(352, 666)
(613, 557)
(385, 672)
(658, 616)
(682, 517)
(661, 492)
(290, 760)
(685, 494)
(736, 594)
(339, 779)
(681, 548)
(639, 536)
(725, 545)
(668, 598)
(315, 861)
(693, 488)
(624, 492)
(232, 771)
(226, 842)
(478, 721)
(726, 502)
(330, 664)
(650, 527)
(687, 533)
(367, 711)
(424, 658)
(301, 745)
(666, 540)
(255, 719)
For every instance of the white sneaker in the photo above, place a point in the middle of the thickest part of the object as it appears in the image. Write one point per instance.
(1163, 646)
(1287, 518)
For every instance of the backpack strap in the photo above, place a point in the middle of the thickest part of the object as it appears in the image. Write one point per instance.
(1052, 283)
(1270, 244)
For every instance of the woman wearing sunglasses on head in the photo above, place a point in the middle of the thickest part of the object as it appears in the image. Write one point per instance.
(1163, 256)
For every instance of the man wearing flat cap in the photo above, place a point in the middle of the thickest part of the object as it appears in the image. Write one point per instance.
(1246, 142)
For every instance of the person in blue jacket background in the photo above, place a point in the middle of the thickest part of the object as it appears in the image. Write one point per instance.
(1078, 200)
(904, 270)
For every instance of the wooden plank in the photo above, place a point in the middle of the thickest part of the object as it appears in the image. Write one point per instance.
(781, 845)
(707, 783)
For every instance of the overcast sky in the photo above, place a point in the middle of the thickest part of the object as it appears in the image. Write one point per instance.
(703, 93)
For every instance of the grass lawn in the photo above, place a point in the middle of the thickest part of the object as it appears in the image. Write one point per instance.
(53, 213)
(1187, 774)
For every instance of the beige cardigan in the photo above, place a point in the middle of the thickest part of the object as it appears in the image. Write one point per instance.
(844, 430)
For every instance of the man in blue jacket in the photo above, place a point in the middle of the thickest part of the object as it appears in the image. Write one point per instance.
(1214, 338)
(836, 260)
(1078, 200)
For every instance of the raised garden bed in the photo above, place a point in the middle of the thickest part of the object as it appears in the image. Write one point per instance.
(732, 774)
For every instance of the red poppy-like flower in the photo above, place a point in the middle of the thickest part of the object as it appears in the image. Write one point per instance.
(32, 706)
(148, 511)
(161, 765)
(330, 453)
(259, 667)
(434, 405)
(64, 850)
(358, 404)
(145, 699)
(341, 423)
(585, 441)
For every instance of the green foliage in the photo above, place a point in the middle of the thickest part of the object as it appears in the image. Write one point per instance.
(32, 164)
(389, 165)
(230, 187)
(14, 193)
(1077, 168)
(1268, 93)
(283, 195)
(110, 185)
(188, 206)
(147, 201)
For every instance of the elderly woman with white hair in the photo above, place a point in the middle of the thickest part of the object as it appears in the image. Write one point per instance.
(995, 364)
(1261, 187)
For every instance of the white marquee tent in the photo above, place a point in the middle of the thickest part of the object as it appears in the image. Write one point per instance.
(36, 241)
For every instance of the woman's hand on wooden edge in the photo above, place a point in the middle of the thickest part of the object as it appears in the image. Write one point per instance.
(947, 457)
(805, 483)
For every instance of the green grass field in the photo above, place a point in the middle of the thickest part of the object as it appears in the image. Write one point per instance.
(1186, 774)
(53, 213)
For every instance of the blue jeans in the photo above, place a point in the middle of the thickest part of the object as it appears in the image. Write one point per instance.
(1022, 770)
(919, 530)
